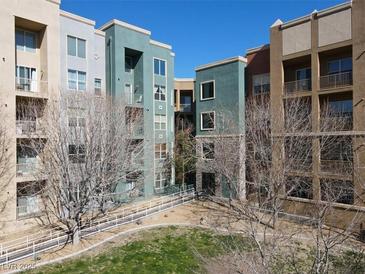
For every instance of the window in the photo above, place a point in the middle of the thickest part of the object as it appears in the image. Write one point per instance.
(160, 180)
(340, 65)
(208, 151)
(303, 74)
(97, 86)
(207, 90)
(76, 153)
(300, 187)
(25, 40)
(72, 122)
(208, 120)
(160, 151)
(76, 80)
(128, 64)
(160, 93)
(159, 67)
(208, 183)
(337, 191)
(160, 122)
(26, 78)
(76, 47)
(261, 83)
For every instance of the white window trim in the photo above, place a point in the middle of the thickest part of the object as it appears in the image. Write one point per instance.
(160, 152)
(77, 48)
(162, 178)
(77, 80)
(201, 90)
(155, 121)
(201, 120)
(160, 93)
(159, 70)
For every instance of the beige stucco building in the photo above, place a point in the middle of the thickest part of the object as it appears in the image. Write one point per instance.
(30, 67)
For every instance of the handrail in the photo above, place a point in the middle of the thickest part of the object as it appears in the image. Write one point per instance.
(297, 86)
(32, 246)
(336, 80)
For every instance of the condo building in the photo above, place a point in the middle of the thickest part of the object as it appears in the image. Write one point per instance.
(140, 71)
(30, 66)
(220, 118)
(319, 59)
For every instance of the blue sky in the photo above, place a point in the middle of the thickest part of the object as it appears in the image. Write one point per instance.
(200, 31)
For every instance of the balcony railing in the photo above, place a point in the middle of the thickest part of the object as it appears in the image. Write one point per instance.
(28, 206)
(24, 127)
(336, 80)
(185, 107)
(134, 99)
(26, 169)
(303, 165)
(297, 86)
(341, 123)
(336, 167)
(26, 84)
(136, 130)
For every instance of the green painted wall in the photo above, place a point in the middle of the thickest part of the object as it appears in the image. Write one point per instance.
(119, 38)
(229, 98)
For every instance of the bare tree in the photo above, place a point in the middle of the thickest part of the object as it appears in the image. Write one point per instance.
(280, 154)
(6, 161)
(89, 159)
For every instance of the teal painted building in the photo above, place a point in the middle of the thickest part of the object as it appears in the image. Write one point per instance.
(220, 122)
(140, 71)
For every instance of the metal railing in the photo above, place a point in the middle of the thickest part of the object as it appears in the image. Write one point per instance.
(336, 80)
(134, 99)
(26, 84)
(33, 244)
(185, 107)
(297, 86)
(27, 127)
(25, 169)
(28, 208)
(299, 165)
(336, 167)
(336, 123)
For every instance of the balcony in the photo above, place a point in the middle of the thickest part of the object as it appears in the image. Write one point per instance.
(299, 165)
(134, 99)
(292, 87)
(27, 169)
(336, 167)
(28, 127)
(135, 131)
(26, 84)
(340, 123)
(337, 80)
(28, 206)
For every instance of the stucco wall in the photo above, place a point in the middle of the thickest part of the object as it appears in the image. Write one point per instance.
(334, 28)
(297, 38)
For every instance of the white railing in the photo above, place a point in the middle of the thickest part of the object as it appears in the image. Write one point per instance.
(134, 99)
(336, 80)
(24, 169)
(26, 84)
(33, 244)
(297, 86)
(185, 107)
(27, 127)
(30, 206)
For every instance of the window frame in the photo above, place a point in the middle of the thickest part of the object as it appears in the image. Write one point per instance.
(77, 39)
(24, 47)
(77, 80)
(160, 122)
(160, 152)
(159, 177)
(260, 76)
(97, 90)
(159, 67)
(201, 90)
(159, 94)
(210, 152)
(201, 121)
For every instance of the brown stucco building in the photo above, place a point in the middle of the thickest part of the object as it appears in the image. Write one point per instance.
(320, 58)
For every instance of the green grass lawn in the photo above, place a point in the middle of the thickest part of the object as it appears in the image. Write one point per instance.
(163, 250)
